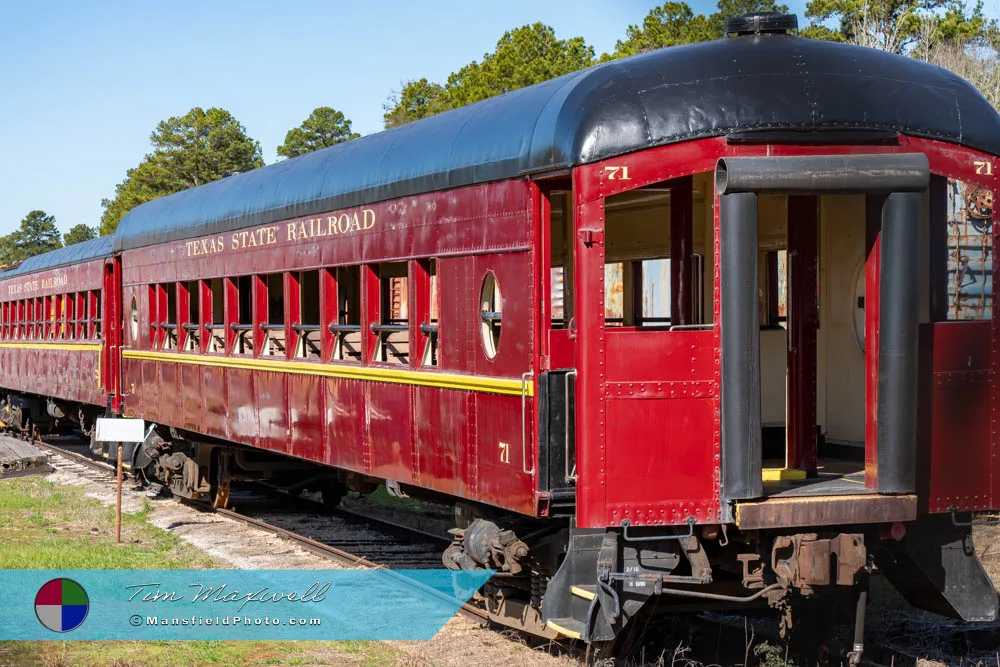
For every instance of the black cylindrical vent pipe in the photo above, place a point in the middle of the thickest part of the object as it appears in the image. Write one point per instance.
(899, 261)
(742, 460)
(818, 174)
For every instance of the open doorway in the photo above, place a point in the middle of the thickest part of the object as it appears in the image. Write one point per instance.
(812, 260)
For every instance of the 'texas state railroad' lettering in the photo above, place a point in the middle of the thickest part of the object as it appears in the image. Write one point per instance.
(296, 230)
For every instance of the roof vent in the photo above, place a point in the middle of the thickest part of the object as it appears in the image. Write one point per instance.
(757, 23)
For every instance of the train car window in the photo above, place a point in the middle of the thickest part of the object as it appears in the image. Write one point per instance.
(347, 328)
(773, 304)
(430, 330)
(154, 317)
(491, 314)
(969, 249)
(67, 315)
(49, 316)
(59, 316)
(134, 320)
(96, 318)
(243, 328)
(638, 290)
(192, 327)
(274, 327)
(308, 344)
(39, 316)
(69, 308)
(80, 314)
(169, 323)
(614, 294)
(55, 316)
(655, 291)
(216, 328)
(393, 328)
(4, 313)
(561, 257)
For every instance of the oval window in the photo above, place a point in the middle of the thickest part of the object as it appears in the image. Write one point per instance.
(491, 312)
(135, 321)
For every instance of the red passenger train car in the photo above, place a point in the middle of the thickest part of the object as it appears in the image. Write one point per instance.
(712, 324)
(58, 336)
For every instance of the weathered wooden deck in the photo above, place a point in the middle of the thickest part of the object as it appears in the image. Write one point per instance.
(19, 458)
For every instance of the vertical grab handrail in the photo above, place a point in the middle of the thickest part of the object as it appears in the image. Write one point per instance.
(524, 420)
(570, 475)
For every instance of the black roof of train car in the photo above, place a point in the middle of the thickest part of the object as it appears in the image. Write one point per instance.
(762, 82)
(77, 253)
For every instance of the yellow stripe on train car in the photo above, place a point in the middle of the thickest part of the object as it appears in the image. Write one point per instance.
(505, 386)
(27, 345)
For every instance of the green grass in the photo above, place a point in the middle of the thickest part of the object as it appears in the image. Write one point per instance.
(44, 526)
(49, 527)
(200, 653)
(381, 496)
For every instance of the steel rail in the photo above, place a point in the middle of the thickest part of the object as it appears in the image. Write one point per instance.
(318, 507)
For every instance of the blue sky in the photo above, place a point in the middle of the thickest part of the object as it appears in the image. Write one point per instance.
(84, 84)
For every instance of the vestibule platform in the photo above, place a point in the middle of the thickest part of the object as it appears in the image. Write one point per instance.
(834, 477)
(835, 495)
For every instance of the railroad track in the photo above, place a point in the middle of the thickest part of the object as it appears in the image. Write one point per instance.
(390, 530)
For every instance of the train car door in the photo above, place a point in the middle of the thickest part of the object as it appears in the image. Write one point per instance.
(110, 330)
(647, 414)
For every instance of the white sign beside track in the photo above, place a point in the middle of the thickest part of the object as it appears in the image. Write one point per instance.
(120, 430)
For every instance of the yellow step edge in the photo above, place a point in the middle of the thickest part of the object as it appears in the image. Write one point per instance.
(779, 474)
(581, 592)
(563, 631)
